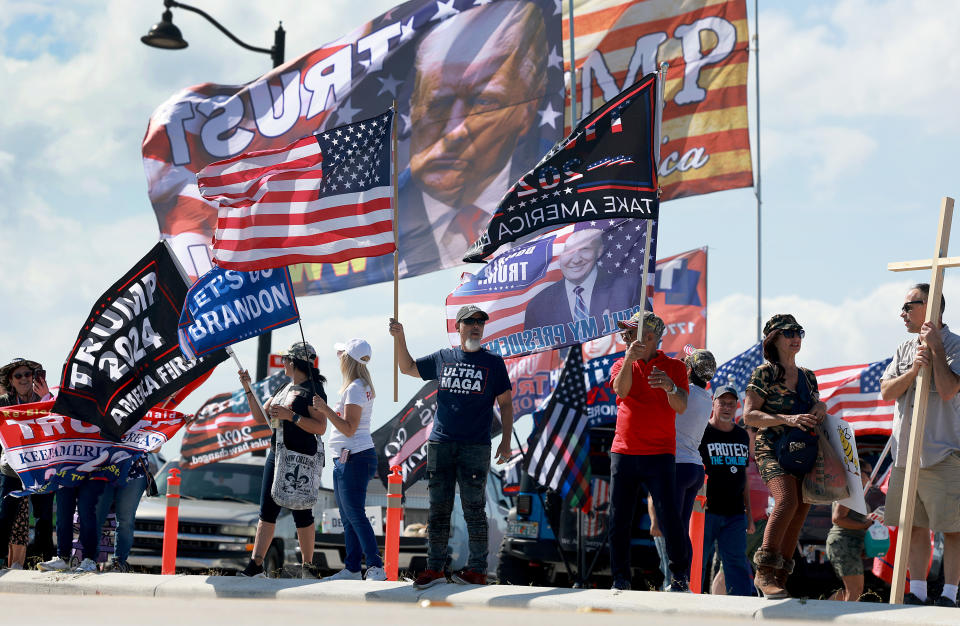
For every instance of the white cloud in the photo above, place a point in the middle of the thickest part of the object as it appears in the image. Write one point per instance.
(825, 155)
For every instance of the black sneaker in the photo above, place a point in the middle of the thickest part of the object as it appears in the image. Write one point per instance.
(252, 570)
(909, 598)
(944, 601)
(118, 566)
(678, 585)
(620, 584)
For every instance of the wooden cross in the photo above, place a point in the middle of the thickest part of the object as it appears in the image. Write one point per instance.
(937, 264)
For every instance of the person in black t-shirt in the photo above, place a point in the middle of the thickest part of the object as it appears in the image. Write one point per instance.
(725, 449)
(458, 452)
(290, 408)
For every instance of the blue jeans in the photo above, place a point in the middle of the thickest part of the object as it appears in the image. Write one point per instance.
(689, 482)
(730, 533)
(656, 472)
(350, 481)
(82, 499)
(124, 498)
(450, 463)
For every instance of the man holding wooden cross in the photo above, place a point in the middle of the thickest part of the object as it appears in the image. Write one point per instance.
(937, 505)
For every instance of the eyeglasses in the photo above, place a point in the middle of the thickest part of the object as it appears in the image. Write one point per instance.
(20, 375)
(790, 334)
(474, 321)
(286, 359)
(906, 305)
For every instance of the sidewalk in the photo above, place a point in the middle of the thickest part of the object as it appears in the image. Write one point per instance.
(536, 598)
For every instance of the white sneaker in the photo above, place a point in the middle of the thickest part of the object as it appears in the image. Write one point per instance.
(55, 564)
(17, 566)
(345, 574)
(375, 573)
(86, 565)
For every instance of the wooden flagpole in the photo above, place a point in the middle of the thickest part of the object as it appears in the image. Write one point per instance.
(396, 255)
(937, 264)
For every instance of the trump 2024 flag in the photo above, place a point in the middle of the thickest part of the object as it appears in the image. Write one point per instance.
(326, 198)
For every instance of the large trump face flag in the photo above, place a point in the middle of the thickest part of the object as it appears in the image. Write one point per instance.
(326, 198)
(567, 286)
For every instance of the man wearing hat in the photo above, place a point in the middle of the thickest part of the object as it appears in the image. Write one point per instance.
(725, 449)
(458, 452)
(25, 382)
(651, 389)
(937, 505)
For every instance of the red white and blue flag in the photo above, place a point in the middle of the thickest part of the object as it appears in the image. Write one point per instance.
(325, 198)
(852, 393)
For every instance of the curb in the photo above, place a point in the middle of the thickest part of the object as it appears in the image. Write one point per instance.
(490, 596)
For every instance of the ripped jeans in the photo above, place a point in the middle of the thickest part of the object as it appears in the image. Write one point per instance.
(449, 464)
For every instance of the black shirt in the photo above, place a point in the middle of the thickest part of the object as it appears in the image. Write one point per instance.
(725, 457)
(298, 398)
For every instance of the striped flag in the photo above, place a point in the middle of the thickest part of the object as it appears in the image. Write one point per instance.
(705, 138)
(325, 198)
(512, 280)
(852, 393)
(561, 439)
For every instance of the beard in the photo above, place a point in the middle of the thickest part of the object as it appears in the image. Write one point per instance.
(471, 344)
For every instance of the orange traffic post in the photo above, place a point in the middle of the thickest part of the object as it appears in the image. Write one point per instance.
(170, 523)
(696, 538)
(391, 557)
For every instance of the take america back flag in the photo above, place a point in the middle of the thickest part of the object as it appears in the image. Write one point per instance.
(325, 198)
(561, 441)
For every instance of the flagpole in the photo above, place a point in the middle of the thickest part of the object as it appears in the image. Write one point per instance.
(229, 350)
(756, 67)
(396, 258)
(573, 72)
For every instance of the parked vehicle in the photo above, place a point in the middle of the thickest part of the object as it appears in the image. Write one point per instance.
(219, 509)
(539, 527)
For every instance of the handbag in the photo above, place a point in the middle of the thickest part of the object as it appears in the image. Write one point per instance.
(827, 481)
(797, 448)
(296, 476)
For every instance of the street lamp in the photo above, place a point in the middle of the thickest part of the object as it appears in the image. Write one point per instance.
(167, 36)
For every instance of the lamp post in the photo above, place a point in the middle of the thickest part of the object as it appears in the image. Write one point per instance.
(166, 35)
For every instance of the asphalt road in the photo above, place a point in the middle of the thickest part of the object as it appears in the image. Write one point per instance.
(99, 610)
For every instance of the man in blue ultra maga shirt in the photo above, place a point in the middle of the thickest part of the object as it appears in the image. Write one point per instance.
(458, 452)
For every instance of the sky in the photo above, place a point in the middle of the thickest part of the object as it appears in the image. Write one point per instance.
(857, 119)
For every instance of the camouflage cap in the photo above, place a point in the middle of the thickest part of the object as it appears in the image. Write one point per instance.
(702, 363)
(651, 323)
(7, 369)
(781, 321)
(301, 350)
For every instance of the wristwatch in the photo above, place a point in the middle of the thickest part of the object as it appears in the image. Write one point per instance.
(296, 418)
(674, 390)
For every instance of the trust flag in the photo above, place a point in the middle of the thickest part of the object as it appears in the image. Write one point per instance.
(227, 306)
(564, 287)
(127, 359)
(605, 169)
(325, 198)
(561, 441)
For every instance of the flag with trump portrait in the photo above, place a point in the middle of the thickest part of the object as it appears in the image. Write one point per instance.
(479, 88)
(561, 288)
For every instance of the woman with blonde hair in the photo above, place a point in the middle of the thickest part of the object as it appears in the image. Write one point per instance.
(354, 459)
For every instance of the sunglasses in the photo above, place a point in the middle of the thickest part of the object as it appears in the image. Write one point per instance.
(906, 305)
(20, 375)
(476, 321)
(628, 335)
(790, 334)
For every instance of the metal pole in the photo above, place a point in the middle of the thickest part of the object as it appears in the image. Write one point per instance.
(756, 69)
(573, 72)
(265, 340)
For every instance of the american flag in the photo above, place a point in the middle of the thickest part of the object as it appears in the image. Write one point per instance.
(852, 393)
(505, 300)
(325, 198)
(561, 440)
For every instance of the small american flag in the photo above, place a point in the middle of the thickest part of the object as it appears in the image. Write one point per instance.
(852, 393)
(325, 198)
(561, 440)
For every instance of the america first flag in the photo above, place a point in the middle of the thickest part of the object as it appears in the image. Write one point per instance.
(325, 198)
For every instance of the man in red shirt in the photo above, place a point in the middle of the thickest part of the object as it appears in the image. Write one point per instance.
(651, 389)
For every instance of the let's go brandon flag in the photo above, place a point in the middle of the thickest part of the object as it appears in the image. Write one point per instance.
(567, 286)
(326, 198)
(706, 144)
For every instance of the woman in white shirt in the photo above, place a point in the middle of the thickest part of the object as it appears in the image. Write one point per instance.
(354, 459)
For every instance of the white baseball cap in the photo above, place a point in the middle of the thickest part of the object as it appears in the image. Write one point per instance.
(358, 349)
